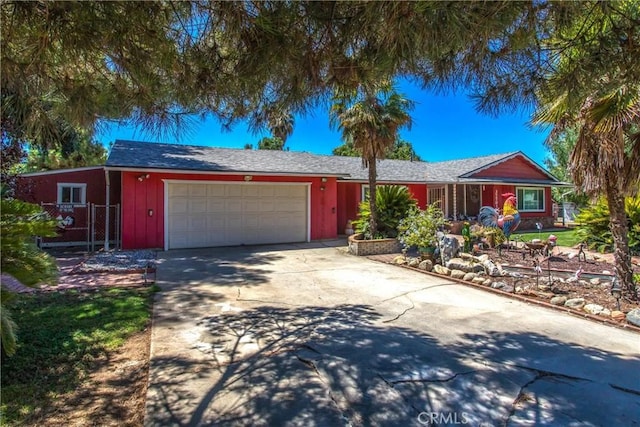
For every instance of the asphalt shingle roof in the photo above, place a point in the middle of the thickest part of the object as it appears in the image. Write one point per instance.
(147, 155)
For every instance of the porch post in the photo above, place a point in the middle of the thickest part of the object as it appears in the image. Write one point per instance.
(455, 202)
(464, 190)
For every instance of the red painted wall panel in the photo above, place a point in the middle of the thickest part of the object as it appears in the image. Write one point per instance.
(515, 168)
(139, 230)
(419, 192)
(44, 188)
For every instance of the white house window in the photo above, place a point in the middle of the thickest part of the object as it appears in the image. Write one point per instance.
(70, 193)
(530, 199)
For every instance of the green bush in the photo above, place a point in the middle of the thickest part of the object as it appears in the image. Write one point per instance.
(419, 229)
(21, 258)
(593, 225)
(393, 203)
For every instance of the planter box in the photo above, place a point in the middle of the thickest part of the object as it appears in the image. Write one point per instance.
(360, 247)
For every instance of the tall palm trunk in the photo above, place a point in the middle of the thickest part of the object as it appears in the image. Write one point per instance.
(619, 232)
(373, 174)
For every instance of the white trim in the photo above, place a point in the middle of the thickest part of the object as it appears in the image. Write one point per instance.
(192, 181)
(235, 173)
(166, 213)
(57, 171)
(309, 212)
(83, 193)
(544, 197)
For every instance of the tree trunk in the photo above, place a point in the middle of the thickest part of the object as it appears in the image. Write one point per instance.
(373, 219)
(619, 231)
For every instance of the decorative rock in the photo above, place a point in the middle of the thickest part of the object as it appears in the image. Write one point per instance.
(400, 260)
(498, 285)
(508, 288)
(441, 270)
(449, 247)
(487, 282)
(483, 258)
(414, 262)
(457, 274)
(617, 315)
(544, 287)
(595, 281)
(633, 317)
(491, 269)
(478, 279)
(593, 308)
(466, 266)
(606, 272)
(426, 265)
(558, 300)
(575, 303)
(571, 255)
(605, 312)
(471, 276)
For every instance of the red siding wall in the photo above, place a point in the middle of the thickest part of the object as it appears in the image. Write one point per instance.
(139, 230)
(515, 168)
(350, 195)
(44, 188)
(348, 198)
(419, 192)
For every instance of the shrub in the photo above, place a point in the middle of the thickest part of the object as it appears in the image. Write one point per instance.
(593, 225)
(21, 258)
(393, 203)
(420, 227)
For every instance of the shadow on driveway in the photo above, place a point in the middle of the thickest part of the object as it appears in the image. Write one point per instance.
(320, 366)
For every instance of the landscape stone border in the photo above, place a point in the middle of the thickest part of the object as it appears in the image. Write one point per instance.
(523, 298)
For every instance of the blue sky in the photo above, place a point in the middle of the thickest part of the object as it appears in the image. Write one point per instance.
(445, 127)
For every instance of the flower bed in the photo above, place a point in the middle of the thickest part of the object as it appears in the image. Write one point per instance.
(360, 247)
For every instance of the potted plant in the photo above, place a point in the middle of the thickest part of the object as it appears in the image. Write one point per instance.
(419, 229)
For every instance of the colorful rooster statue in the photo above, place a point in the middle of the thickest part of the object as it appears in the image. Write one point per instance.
(508, 221)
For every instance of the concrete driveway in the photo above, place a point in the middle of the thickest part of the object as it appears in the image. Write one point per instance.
(308, 335)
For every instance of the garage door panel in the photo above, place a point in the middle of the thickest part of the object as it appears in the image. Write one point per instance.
(233, 190)
(198, 190)
(205, 215)
(215, 190)
(252, 191)
(198, 206)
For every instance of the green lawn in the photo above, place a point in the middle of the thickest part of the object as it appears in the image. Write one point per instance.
(60, 336)
(565, 237)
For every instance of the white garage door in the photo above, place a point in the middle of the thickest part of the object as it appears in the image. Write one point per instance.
(204, 214)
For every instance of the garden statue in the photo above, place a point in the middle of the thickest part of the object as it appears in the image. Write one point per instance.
(508, 221)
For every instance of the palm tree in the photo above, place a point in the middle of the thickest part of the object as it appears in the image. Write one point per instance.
(606, 158)
(371, 119)
(280, 123)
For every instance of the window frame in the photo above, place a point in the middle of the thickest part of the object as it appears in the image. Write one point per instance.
(521, 200)
(72, 186)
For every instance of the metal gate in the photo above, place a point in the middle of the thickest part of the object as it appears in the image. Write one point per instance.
(105, 226)
(87, 225)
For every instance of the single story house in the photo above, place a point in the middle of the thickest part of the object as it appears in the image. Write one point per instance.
(178, 196)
